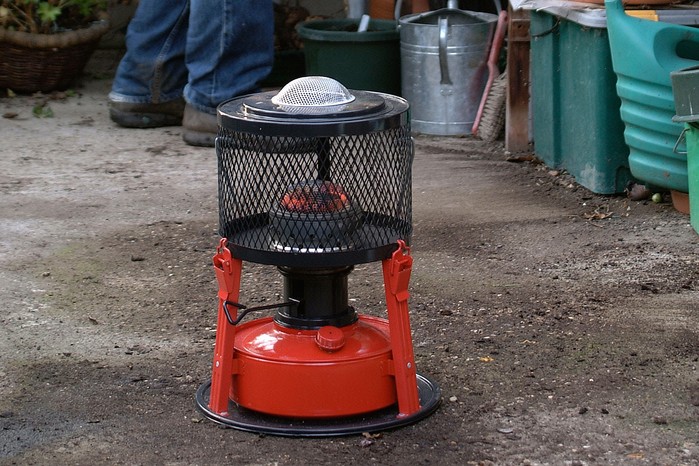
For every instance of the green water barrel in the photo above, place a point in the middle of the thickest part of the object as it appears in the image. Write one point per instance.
(644, 53)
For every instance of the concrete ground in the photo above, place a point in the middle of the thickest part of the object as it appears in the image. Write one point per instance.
(561, 325)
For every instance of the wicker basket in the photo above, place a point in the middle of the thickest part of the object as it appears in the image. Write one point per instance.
(46, 62)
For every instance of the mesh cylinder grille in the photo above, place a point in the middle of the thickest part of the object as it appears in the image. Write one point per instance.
(314, 200)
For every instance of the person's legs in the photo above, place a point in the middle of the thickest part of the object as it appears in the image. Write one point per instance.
(148, 86)
(230, 49)
(205, 51)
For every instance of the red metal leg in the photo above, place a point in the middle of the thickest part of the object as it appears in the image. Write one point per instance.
(228, 271)
(396, 276)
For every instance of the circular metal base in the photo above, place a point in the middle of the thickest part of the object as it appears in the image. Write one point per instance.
(252, 421)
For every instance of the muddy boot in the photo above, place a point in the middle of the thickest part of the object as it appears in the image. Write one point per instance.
(200, 128)
(146, 115)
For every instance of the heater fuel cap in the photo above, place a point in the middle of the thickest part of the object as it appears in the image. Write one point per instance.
(330, 338)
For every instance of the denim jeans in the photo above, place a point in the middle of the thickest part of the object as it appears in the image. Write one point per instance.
(206, 51)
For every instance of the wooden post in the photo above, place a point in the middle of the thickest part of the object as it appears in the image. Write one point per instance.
(517, 113)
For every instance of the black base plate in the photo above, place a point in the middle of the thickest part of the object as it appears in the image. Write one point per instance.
(253, 421)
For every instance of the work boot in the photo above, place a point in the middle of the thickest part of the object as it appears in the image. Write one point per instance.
(146, 115)
(200, 128)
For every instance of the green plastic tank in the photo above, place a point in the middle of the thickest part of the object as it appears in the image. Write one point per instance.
(644, 53)
(575, 118)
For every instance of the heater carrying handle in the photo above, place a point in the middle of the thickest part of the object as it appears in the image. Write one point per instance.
(246, 310)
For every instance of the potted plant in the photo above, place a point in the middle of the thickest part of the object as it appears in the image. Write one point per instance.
(44, 45)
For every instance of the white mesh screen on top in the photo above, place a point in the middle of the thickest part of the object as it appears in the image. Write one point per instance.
(313, 95)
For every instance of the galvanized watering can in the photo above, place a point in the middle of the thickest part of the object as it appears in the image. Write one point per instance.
(444, 67)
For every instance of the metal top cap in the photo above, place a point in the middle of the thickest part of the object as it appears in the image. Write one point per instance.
(362, 112)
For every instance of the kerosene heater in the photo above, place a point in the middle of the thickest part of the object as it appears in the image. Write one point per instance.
(315, 179)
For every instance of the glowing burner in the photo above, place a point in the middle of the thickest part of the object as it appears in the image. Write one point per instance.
(315, 197)
(316, 216)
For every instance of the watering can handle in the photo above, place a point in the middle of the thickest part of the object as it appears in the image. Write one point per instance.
(443, 64)
(453, 4)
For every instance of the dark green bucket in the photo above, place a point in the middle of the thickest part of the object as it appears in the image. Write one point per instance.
(367, 61)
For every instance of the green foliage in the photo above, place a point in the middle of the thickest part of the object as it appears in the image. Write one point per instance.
(42, 110)
(47, 16)
(48, 13)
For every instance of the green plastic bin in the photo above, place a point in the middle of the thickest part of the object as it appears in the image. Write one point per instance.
(575, 108)
(359, 60)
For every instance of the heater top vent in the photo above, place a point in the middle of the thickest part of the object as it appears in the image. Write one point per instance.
(314, 107)
(313, 95)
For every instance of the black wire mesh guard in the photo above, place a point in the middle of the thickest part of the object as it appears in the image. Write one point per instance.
(314, 190)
